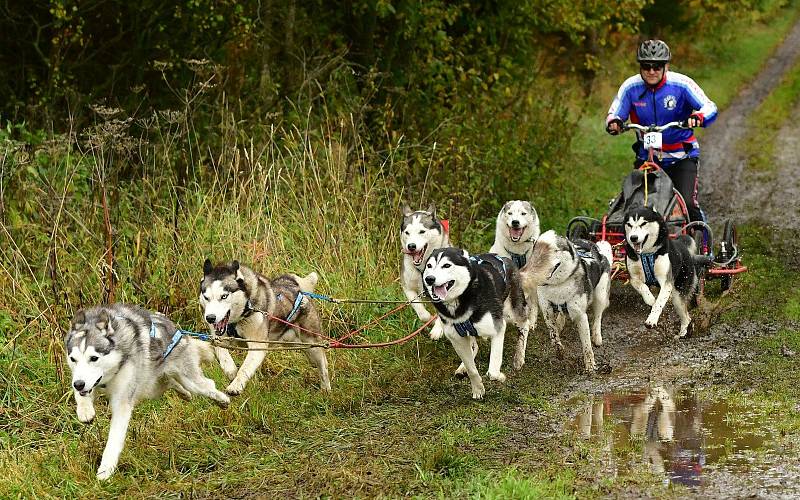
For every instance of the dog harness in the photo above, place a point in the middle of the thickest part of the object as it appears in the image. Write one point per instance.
(520, 259)
(648, 261)
(557, 308)
(465, 328)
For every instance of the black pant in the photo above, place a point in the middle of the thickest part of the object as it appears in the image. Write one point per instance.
(683, 174)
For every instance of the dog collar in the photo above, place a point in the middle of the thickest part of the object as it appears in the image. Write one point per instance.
(520, 259)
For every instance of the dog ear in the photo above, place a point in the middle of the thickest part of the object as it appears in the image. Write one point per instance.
(432, 210)
(103, 322)
(235, 265)
(406, 210)
(79, 319)
(207, 267)
(241, 283)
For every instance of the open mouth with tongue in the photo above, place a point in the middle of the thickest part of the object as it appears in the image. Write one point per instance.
(439, 292)
(418, 255)
(638, 246)
(515, 233)
(221, 326)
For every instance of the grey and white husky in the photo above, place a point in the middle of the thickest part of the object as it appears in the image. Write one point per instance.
(421, 232)
(653, 258)
(473, 296)
(238, 301)
(515, 234)
(128, 354)
(570, 277)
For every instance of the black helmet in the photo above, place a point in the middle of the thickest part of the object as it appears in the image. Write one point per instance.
(653, 51)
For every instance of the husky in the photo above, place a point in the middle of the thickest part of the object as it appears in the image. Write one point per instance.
(653, 258)
(570, 277)
(515, 234)
(130, 354)
(238, 301)
(473, 295)
(421, 232)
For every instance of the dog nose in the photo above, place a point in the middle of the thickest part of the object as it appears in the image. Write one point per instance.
(412, 247)
(430, 280)
(211, 318)
(79, 385)
(515, 224)
(633, 238)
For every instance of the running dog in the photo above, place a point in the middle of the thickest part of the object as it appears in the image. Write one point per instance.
(653, 258)
(473, 295)
(130, 354)
(569, 278)
(515, 234)
(421, 232)
(240, 302)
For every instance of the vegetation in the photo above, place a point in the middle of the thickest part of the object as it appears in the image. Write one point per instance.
(139, 139)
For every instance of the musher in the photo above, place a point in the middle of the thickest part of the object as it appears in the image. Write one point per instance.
(657, 96)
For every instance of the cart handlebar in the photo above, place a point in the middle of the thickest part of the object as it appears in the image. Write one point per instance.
(656, 128)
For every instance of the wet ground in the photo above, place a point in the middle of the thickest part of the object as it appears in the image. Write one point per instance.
(654, 412)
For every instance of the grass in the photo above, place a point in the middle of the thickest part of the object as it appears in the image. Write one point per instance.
(397, 424)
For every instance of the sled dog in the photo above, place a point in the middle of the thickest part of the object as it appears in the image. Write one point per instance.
(655, 259)
(238, 301)
(130, 354)
(421, 232)
(570, 277)
(473, 295)
(515, 233)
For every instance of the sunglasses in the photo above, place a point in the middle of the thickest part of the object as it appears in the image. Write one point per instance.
(651, 66)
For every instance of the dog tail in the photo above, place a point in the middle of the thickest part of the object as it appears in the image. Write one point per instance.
(308, 283)
(539, 267)
(604, 248)
(689, 242)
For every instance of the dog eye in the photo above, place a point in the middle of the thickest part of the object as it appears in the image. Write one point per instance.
(445, 266)
(422, 232)
(429, 266)
(92, 359)
(204, 297)
(407, 233)
(509, 213)
(524, 214)
(72, 359)
(224, 296)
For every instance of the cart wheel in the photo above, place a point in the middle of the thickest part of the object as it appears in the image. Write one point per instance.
(698, 238)
(730, 241)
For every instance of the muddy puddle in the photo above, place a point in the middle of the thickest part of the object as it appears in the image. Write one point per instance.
(674, 433)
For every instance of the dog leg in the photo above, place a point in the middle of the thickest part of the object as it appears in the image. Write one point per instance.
(643, 290)
(418, 307)
(601, 299)
(462, 370)
(120, 417)
(496, 355)
(195, 382)
(84, 407)
(437, 330)
(554, 322)
(683, 313)
(658, 307)
(249, 367)
(522, 344)
(465, 352)
(317, 358)
(582, 322)
(180, 390)
(226, 362)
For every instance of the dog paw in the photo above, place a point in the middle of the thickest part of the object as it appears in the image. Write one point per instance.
(559, 350)
(85, 413)
(651, 322)
(604, 369)
(104, 473)
(437, 331)
(234, 389)
(222, 400)
(425, 317)
(518, 363)
(597, 341)
(461, 371)
(478, 391)
(497, 377)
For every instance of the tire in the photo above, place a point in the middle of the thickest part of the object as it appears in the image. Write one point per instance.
(730, 240)
(579, 230)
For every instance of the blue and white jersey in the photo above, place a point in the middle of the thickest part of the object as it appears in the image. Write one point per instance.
(674, 99)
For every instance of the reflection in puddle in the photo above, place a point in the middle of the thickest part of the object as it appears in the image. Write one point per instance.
(680, 434)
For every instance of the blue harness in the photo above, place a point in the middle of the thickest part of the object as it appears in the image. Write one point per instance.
(176, 337)
(648, 266)
(520, 259)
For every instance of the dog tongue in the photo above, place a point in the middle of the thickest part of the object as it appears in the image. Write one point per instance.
(441, 291)
(516, 233)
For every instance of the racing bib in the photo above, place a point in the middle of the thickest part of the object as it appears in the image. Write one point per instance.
(652, 140)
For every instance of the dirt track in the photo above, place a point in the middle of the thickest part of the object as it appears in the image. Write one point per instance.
(641, 357)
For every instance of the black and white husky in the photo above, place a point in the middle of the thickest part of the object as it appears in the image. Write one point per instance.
(421, 232)
(238, 301)
(515, 234)
(473, 296)
(655, 259)
(570, 277)
(130, 354)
